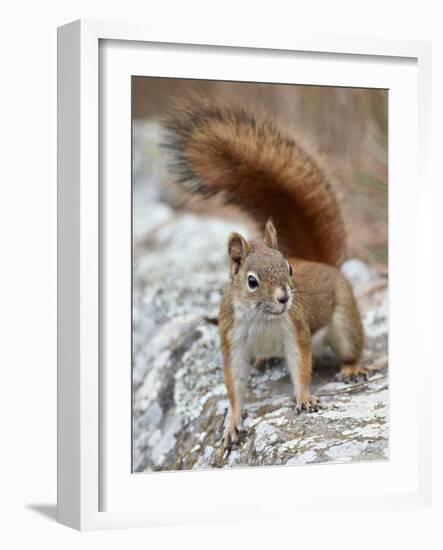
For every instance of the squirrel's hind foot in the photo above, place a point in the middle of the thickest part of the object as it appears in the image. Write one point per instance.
(352, 373)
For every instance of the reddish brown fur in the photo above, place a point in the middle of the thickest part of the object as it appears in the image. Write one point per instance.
(218, 150)
(321, 299)
(324, 297)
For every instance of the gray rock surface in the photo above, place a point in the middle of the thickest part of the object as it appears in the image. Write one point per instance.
(179, 399)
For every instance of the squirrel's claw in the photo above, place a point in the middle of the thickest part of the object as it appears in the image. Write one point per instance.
(230, 438)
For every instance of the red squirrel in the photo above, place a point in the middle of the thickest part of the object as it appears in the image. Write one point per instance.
(285, 286)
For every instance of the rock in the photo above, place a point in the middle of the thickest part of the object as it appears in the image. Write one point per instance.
(179, 398)
(180, 402)
(357, 272)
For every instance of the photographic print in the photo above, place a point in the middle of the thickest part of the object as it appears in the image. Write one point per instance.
(259, 274)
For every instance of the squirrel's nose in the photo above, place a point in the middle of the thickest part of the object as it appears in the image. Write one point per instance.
(282, 296)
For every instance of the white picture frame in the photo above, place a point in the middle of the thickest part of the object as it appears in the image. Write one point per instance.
(82, 439)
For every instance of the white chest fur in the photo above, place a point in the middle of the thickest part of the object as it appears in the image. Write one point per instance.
(262, 338)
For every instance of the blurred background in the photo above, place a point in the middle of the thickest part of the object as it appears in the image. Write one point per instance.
(346, 127)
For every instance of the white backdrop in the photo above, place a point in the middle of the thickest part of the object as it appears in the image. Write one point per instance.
(28, 273)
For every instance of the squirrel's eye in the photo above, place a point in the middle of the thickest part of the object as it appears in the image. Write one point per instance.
(290, 271)
(252, 282)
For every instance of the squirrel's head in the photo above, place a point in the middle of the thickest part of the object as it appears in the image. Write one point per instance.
(261, 277)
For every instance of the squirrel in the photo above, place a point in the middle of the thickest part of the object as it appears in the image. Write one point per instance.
(285, 287)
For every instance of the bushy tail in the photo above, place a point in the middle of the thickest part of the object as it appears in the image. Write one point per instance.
(246, 161)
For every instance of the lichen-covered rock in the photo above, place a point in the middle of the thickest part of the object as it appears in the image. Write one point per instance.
(179, 399)
(180, 402)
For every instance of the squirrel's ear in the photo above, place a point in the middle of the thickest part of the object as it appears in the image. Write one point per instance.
(270, 237)
(238, 249)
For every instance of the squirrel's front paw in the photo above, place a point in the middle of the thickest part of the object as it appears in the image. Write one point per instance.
(230, 437)
(309, 404)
